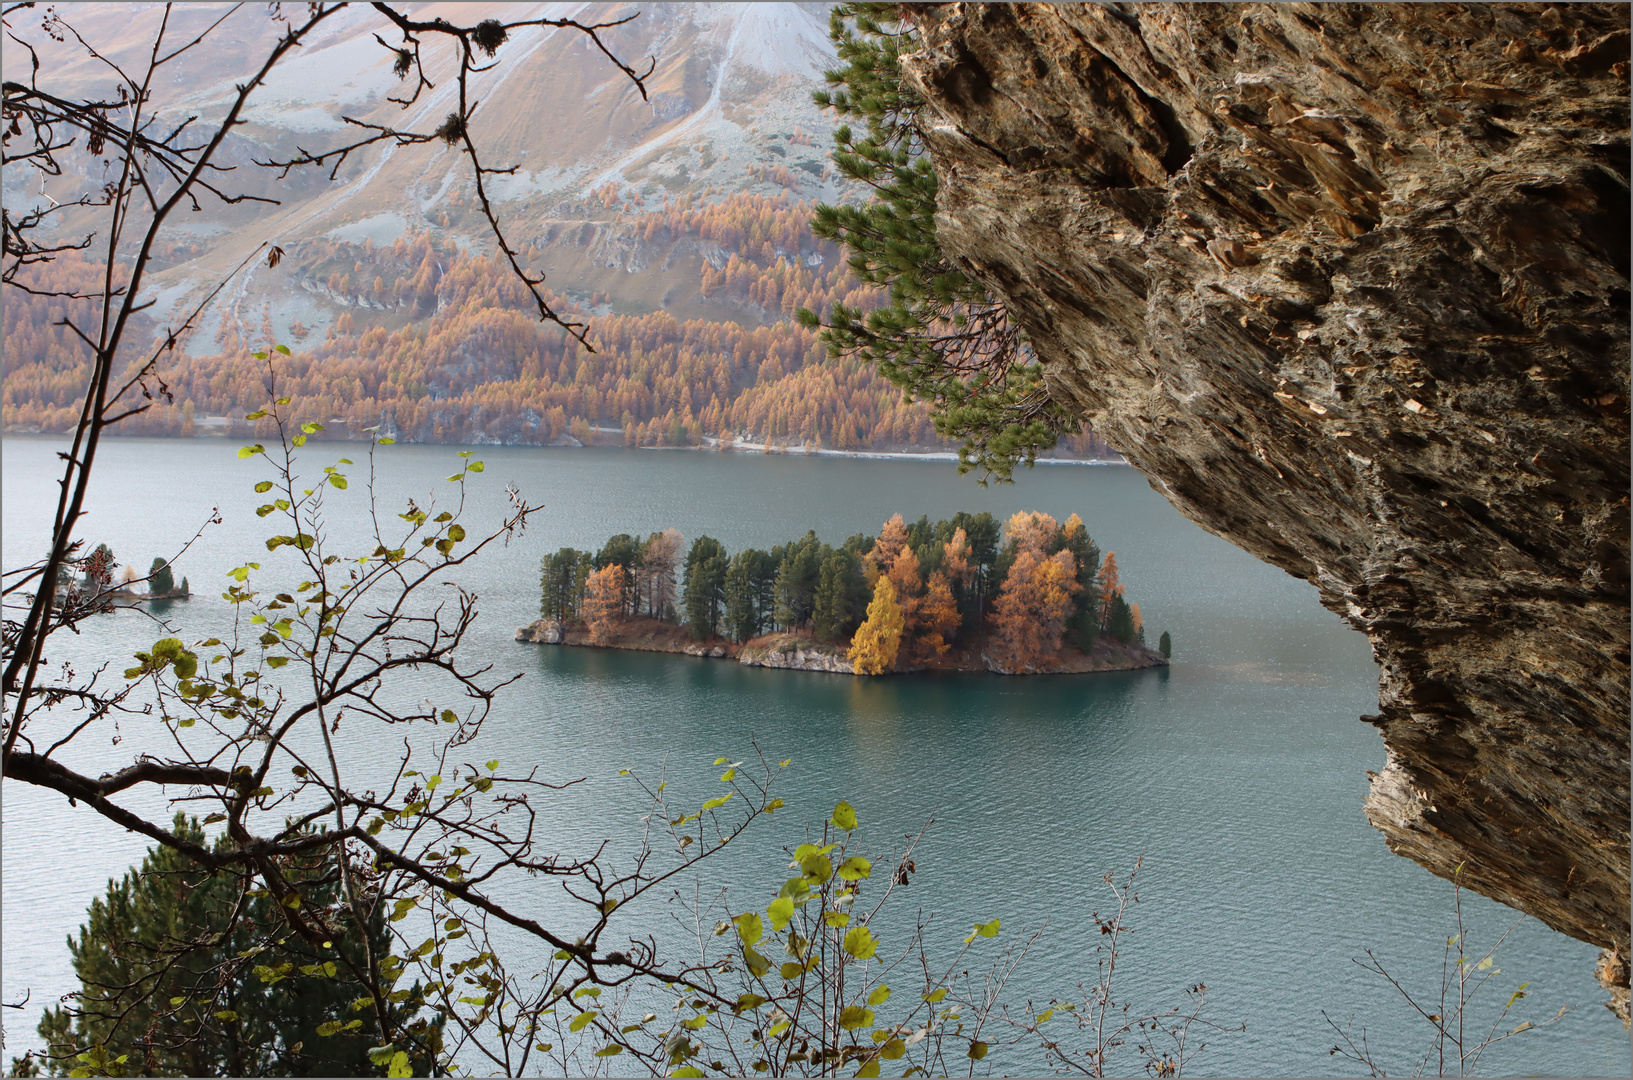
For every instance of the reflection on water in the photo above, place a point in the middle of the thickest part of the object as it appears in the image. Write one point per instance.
(1238, 773)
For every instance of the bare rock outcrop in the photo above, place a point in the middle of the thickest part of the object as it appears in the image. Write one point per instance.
(1349, 284)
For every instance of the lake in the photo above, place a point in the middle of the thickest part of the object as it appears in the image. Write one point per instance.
(1238, 772)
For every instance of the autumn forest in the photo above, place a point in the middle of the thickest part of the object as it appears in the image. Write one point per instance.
(436, 343)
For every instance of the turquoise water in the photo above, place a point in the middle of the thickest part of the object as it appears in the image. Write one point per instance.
(1237, 773)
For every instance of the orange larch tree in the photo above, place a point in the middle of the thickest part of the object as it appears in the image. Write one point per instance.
(903, 572)
(1031, 611)
(938, 616)
(892, 539)
(1031, 531)
(1110, 588)
(603, 602)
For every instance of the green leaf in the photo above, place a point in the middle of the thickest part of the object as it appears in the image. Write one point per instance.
(978, 1050)
(263, 487)
(749, 928)
(387, 441)
(612, 1050)
(837, 918)
(855, 868)
(380, 1055)
(757, 964)
(854, 1017)
(936, 995)
(880, 995)
(251, 451)
(336, 480)
(282, 348)
(791, 971)
(582, 1020)
(456, 533)
(869, 1070)
(893, 1050)
(844, 816)
(860, 943)
(690, 1071)
(816, 868)
(715, 804)
(311, 427)
(475, 466)
(399, 1065)
(780, 911)
(748, 1001)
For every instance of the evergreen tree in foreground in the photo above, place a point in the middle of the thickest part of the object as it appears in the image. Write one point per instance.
(939, 335)
(172, 985)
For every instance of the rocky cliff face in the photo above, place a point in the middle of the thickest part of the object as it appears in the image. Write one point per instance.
(1349, 284)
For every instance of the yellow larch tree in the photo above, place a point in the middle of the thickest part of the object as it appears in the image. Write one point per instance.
(877, 641)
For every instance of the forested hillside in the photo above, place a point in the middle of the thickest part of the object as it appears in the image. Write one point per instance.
(435, 342)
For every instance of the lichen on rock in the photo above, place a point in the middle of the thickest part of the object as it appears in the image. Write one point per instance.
(1349, 284)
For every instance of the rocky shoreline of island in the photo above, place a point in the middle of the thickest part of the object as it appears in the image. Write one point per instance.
(795, 651)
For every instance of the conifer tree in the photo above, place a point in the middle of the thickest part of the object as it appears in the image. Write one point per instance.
(560, 584)
(904, 578)
(892, 538)
(840, 597)
(797, 578)
(1111, 589)
(938, 616)
(1030, 613)
(625, 551)
(705, 590)
(1165, 646)
(741, 623)
(878, 640)
(939, 335)
(172, 982)
(659, 560)
(161, 579)
(1120, 619)
(1084, 625)
(604, 602)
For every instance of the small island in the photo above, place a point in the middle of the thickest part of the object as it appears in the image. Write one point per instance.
(95, 585)
(1033, 596)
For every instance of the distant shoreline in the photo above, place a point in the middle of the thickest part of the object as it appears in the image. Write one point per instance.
(713, 447)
